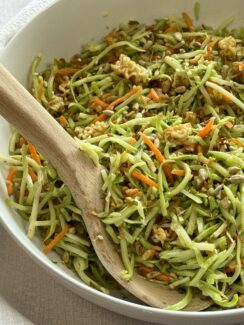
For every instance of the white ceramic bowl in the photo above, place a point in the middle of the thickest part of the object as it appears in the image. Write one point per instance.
(59, 31)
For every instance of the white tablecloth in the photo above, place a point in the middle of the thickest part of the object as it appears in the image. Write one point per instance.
(28, 295)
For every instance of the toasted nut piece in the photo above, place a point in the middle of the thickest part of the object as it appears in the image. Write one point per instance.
(236, 179)
(234, 169)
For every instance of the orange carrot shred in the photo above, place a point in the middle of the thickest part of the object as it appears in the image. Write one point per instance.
(21, 141)
(229, 124)
(63, 121)
(144, 179)
(178, 172)
(144, 270)
(225, 98)
(33, 153)
(32, 174)
(168, 174)
(236, 141)
(207, 129)
(100, 118)
(171, 29)
(11, 174)
(153, 96)
(10, 188)
(211, 45)
(159, 157)
(98, 102)
(239, 65)
(66, 71)
(154, 149)
(117, 101)
(188, 21)
(110, 58)
(121, 99)
(9, 180)
(55, 241)
(163, 277)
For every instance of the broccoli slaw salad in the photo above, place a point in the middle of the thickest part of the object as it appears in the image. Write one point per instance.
(160, 107)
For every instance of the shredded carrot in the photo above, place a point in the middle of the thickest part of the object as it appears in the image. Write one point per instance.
(168, 174)
(9, 180)
(144, 179)
(236, 141)
(55, 241)
(110, 58)
(121, 99)
(100, 118)
(229, 124)
(159, 157)
(188, 21)
(153, 96)
(163, 277)
(66, 71)
(63, 121)
(33, 153)
(98, 102)
(11, 174)
(117, 101)
(144, 270)
(211, 45)
(21, 141)
(239, 65)
(154, 149)
(178, 172)
(171, 29)
(59, 79)
(207, 129)
(225, 98)
(32, 174)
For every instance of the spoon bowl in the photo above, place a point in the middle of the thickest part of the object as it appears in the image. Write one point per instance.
(84, 180)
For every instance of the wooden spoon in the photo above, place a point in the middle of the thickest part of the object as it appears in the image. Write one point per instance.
(78, 172)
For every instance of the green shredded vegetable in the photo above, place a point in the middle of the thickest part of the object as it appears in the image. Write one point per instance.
(160, 107)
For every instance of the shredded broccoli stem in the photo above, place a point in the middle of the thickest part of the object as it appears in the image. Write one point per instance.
(160, 107)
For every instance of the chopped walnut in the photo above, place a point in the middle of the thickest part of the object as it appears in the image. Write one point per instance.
(90, 131)
(228, 47)
(180, 135)
(130, 69)
(159, 234)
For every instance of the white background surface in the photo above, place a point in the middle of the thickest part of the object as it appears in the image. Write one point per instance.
(28, 295)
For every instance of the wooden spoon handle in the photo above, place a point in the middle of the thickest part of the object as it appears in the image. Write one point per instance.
(32, 121)
(20, 109)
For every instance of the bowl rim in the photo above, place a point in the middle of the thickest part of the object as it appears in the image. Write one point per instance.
(59, 274)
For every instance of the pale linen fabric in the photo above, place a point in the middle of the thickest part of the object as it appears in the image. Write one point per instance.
(28, 295)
